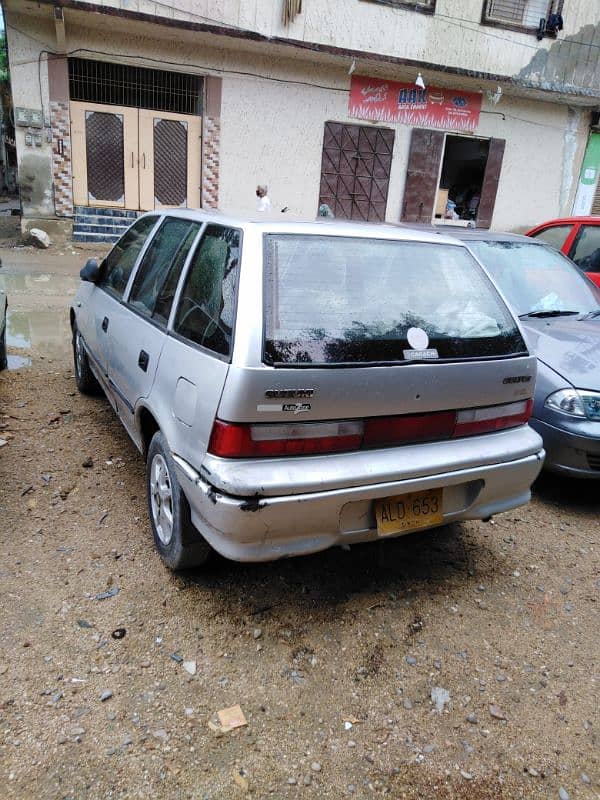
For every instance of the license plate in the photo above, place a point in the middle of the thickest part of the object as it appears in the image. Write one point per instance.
(409, 512)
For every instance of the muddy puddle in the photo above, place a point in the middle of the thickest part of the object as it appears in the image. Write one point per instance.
(37, 322)
(43, 283)
(35, 331)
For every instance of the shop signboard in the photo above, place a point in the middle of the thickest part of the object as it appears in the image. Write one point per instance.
(432, 107)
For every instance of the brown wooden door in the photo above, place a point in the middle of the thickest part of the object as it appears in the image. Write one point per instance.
(424, 157)
(355, 170)
(169, 160)
(104, 141)
(491, 179)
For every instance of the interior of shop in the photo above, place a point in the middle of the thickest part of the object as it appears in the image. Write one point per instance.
(461, 179)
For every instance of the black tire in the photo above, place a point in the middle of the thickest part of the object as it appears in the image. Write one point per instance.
(3, 356)
(181, 547)
(84, 377)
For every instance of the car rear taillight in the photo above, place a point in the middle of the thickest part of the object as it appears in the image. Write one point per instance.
(240, 440)
(231, 440)
(386, 431)
(494, 418)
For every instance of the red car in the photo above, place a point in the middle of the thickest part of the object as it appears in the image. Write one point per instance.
(578, 238)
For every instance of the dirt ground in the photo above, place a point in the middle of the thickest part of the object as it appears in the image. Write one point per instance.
(333, 658)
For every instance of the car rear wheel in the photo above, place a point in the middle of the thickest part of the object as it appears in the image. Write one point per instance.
(84, 377)
(178, 542)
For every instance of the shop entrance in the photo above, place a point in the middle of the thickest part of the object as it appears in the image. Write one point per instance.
(461, 179)
(451, 178)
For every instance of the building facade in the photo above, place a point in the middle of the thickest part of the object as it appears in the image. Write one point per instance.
(425, 110)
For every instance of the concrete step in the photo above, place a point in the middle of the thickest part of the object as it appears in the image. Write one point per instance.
(95, 237)
(93, 224)
(109, 212)
(98, 227)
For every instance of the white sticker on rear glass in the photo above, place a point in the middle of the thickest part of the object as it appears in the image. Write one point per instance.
(417, 339)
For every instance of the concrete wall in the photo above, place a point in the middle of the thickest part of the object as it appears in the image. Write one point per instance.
(272, 130)
(30, 90)
(282, 146)
(452, 36)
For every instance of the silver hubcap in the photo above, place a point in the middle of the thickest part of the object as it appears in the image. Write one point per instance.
(161, 498)
(79, 353)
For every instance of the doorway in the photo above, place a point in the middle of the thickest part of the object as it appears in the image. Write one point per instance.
(448, 171)
(461, 179)
(136, 136)
(134, 158)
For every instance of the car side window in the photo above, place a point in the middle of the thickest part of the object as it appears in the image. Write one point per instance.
(555, 235)
(117, 266)
(206, 310)
(586, 248)
(156, 279)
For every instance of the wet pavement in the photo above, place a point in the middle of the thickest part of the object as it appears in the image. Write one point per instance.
(38, 303)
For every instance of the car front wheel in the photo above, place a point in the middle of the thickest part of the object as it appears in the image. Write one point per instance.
(178, 542)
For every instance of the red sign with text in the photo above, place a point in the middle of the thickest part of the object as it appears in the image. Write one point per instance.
(432, 107)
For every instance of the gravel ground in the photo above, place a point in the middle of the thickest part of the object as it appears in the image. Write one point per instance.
(453, 664)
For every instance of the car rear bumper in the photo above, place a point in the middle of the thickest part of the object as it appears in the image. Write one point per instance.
(569, 453)
(264, 528)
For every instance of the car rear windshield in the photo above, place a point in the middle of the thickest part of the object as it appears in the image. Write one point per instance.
(341, 300)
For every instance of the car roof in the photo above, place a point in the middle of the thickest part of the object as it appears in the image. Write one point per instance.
(320, 226)
(594, 219)
(475, 235)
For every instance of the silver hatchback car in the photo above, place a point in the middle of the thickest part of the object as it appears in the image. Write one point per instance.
(295, 386)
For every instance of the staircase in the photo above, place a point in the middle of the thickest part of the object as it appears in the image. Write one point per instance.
(101, 224)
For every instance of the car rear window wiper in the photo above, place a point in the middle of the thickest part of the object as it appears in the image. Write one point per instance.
(555, 312)
(592, 314)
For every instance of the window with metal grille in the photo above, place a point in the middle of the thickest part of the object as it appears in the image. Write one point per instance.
(428, 6)
(138, 87)
(519, 13)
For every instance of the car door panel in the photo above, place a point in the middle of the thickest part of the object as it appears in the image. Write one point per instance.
(130, 335)
(138, 327)
(196, 354)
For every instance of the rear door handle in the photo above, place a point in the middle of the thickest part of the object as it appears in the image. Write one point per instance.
(143, 360)
(105, 324)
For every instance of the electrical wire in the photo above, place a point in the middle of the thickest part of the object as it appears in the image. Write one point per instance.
(204, 69)
(210, 70)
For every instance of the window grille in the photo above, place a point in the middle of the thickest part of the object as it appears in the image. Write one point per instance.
(139, 87)
(524, 13)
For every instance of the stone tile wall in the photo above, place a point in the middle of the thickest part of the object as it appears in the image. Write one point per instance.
(60, 121)
(211, 135)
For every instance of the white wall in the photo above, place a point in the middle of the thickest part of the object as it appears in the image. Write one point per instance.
(281, 145)
(451, 36)
(272, 131)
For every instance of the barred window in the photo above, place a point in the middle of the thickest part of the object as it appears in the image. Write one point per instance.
(520, 13)
(138, 87)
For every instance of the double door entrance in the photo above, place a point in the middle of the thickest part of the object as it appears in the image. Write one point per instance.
(135, 158)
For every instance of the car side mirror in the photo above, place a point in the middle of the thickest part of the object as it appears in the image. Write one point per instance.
(91, 271)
